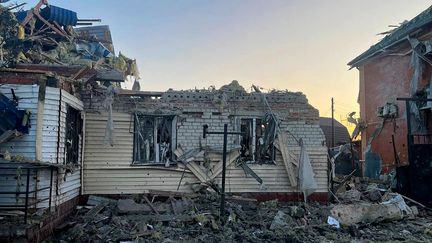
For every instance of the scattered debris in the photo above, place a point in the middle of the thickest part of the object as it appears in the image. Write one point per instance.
(181, 218)
(281, 220)
(352, 195)
(393, 209)
(333, 222)
(44, 35)
(97, 200)
(130, 206)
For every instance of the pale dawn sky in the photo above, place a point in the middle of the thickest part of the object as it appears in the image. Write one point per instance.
(283, 44)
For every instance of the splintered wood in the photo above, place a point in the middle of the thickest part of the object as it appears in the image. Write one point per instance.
(231, 157)
(281, 143)
(188, 158)
(196, 169)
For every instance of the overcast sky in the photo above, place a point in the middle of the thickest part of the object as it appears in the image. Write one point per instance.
(284, 44)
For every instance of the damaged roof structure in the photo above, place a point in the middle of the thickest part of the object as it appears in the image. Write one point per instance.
(44, 65)
(395, 110)
(82, 160)
(72, 131)
(156, 141)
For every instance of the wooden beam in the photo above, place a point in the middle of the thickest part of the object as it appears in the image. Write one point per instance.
(192, 165)
(197, 171)
(18, 70)
(30, 14)
(282, 141)
(72, 70)
(217, 169)
(292, 156)
(53, 27)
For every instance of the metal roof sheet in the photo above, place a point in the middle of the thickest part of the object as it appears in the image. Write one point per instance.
(397, 35)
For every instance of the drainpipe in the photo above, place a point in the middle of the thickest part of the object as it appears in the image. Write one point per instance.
(39, 119)
(82, 150)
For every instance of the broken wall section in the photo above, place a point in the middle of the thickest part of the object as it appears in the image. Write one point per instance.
(193, 110)
(66, 179)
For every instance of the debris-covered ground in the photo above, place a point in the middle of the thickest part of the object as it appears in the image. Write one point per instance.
(138, 219)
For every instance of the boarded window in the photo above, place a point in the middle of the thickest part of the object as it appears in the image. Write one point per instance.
(154, 139)
(73, 135)
(257, 141)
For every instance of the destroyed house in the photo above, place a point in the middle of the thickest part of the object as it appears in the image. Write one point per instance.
(40, 167)
(397, 132)
(41, 138)
(44, 65)
(138, 142)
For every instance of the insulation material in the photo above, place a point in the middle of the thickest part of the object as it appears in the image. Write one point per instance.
(307, 180)
(109, 132)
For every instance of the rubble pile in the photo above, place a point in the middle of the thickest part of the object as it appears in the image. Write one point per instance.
(46, 36)
(196, 218)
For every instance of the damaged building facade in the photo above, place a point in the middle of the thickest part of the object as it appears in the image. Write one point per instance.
(397, 132)
(137, 141)
(48, 156)
(44, 63)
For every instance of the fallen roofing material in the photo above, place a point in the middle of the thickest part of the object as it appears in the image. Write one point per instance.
(402, 33)
(160, 134)
(167, 217)
(43, 37)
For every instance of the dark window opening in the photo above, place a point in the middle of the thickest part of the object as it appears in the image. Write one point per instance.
(73, 135)
(154, 139)
(257, 140)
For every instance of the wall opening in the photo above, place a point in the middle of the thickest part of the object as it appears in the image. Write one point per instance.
(154, 139)
(74, 125)
(256, 141)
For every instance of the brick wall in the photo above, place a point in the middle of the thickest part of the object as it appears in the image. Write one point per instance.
(195, 109)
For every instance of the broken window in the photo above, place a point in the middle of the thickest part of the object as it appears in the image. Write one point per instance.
(257, 140)
(73, 135)
(154, 139)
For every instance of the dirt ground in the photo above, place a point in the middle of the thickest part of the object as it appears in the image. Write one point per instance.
(197, 220)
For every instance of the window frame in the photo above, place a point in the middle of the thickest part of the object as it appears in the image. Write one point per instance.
(73, 134)
(254, 143)
(172, 144)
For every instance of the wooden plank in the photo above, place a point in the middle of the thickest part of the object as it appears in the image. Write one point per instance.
(292, 156)
(282, 140)
(192, 165)
(217, 169)
(197, 171)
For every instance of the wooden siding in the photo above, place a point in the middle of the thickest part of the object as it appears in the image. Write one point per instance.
(27, 99)
(66, 186)
(108, 170)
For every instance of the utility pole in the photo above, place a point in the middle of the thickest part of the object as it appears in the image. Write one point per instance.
(332, 124)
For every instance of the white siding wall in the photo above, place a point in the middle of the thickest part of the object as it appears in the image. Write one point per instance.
(68, 183)
(23, 146)
(71, 181)
(27, 99)
(108, 170)
(65, 185)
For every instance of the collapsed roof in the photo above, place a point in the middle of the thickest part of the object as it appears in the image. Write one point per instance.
(45, 36)
(415, 28)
